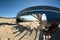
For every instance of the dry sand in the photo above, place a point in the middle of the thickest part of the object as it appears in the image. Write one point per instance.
(9, 32)
(26, 32)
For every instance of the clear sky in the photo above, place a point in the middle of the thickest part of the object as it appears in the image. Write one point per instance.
(9, 8)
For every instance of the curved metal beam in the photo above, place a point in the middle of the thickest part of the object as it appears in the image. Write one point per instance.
(39, 9)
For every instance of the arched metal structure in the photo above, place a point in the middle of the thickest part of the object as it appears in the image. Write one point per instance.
(52, 13)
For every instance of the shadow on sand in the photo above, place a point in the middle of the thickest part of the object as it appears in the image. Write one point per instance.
(55, 35)
(6, 24)
(21, 29)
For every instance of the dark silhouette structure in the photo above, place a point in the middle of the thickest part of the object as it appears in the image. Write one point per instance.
(52, 15)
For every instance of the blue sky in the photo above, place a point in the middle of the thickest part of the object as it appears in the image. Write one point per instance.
(9, 8)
